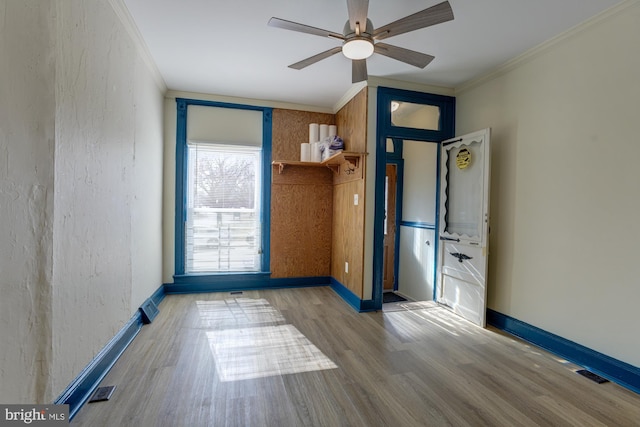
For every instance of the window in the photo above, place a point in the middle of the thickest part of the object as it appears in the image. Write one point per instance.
(417, 116)
(223, 198)
(223, 208)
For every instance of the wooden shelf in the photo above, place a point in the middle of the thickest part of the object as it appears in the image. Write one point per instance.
(332, 162)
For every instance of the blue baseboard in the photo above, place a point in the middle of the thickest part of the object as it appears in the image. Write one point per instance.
(158, 295)
(239, 282)
(79, 391)
(82, 387)
(300, 282)
(615, 370)
(202, 283)
(352, 299)
(149, 308)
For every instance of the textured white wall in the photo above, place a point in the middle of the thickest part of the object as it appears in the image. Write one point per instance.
(27, 115)
(565, 198)
(147, 187)
(107, 228)
(81, 191)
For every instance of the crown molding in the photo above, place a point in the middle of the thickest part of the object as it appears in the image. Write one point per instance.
(348, 95)
(172, 94)
(130, 26)
(416, 87)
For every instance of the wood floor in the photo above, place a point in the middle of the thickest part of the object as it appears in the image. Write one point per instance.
(303, 357)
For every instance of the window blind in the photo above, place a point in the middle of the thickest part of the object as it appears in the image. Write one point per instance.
(223, 229)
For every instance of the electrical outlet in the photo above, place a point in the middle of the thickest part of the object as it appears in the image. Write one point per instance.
(346, 267)
(355, 200)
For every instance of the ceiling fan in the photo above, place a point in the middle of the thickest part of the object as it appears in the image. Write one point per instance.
(360, 39)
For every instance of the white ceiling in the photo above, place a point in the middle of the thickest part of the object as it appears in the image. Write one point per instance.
(225, 47)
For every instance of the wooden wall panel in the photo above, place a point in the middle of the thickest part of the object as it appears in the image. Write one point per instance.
(348, 219)
(301, 228)
(348, 235)
(301, 201)
(315, 227)
(301, 175)
(351, 170)
(291, 128)
(352, 123)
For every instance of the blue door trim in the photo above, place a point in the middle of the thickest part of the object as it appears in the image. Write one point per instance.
(386, 130)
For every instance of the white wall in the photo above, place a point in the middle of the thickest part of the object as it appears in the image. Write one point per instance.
(420, 181)
(565, 198)
(416, 257)
(84, 142)
(27, 116)
(416, 263)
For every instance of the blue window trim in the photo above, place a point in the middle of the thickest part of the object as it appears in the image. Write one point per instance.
(386, 130)
(181, 181)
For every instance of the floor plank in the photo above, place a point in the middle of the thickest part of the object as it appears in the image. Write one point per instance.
(413, 364)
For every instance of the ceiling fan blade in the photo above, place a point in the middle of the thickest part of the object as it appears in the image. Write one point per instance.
(358, 70)
(358, 10)
(434, 15)
(301, 28)
(315, 58)
(417, 59)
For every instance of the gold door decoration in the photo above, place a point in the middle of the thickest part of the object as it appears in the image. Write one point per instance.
(463, 159)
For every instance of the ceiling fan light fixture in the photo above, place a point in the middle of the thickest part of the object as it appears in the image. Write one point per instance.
(357, 48)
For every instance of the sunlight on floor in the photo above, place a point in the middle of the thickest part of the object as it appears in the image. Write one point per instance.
(247, 353)
(237, 312)
(248, 339)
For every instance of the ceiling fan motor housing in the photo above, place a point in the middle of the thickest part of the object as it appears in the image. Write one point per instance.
(358, 44)
(350, 33)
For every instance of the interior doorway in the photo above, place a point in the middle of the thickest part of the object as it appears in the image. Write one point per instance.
(416, 268)
(389, 280)
(419, 120)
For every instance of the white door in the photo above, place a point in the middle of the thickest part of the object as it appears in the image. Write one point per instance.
(463, 228)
